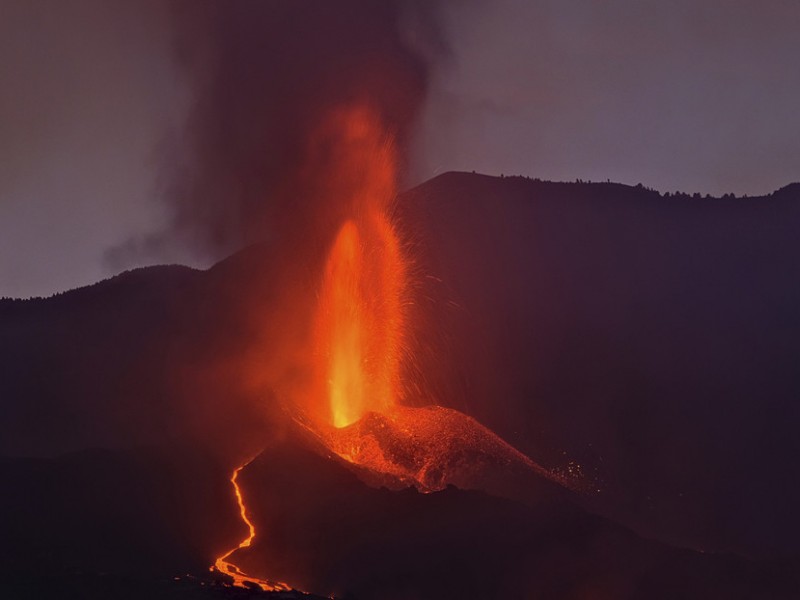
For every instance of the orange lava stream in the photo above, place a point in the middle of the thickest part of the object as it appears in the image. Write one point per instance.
(224, 566)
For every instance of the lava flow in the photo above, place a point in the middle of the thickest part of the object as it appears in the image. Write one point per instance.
(223, 566)
(359, 322)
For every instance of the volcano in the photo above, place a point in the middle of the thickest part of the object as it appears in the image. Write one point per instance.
(594, 353)
(326, 529)
(429, 447)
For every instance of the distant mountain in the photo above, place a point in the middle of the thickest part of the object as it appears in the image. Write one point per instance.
(649, 342)
(652, 339)
(148, 357)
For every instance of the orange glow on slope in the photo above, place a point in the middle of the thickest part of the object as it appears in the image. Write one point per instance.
(360, 316)
(222, 564)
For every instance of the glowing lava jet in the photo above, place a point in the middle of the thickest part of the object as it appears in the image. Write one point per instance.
(360, 321)
(360, 318)
(360, 347)
(354, 407)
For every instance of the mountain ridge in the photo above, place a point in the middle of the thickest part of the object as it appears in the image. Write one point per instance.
(650, 342)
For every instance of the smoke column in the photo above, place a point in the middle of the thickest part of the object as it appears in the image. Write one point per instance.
(264, 75)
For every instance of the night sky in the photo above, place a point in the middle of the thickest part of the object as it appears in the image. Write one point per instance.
(111, 111)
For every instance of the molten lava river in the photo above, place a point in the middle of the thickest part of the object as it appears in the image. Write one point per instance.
(359, 351)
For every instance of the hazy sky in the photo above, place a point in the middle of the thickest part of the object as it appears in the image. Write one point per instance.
(697, 96)
(680, 95)
(87, 91)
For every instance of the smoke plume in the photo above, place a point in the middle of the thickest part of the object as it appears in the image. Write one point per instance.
(264, 76)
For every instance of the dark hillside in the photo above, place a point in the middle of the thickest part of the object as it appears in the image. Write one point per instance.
(653, 339)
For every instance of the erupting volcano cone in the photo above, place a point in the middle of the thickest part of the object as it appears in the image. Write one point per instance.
(359, 346)
(354, 409)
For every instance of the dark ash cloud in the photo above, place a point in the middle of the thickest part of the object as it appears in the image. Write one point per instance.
(264, 74)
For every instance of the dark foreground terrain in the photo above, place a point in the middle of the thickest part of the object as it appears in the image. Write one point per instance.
(97, 586)
(651, 340)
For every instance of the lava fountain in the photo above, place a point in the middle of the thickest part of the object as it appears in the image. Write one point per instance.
(360, 316)
(360, 349)
(360, 320)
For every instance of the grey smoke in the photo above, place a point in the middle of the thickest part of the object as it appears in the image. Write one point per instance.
(161, 130)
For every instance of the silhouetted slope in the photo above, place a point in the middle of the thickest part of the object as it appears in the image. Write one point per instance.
(79, 367)
(145, 512)
(151, 356)
(651, 338)
(323, 530)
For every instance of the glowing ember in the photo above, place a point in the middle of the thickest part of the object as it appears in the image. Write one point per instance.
(223, 566)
